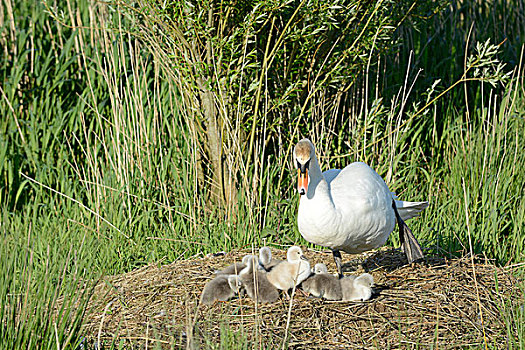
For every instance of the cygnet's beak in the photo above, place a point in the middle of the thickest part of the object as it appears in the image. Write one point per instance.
(304, 258)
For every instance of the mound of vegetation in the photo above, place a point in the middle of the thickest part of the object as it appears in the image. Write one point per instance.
(442, 303)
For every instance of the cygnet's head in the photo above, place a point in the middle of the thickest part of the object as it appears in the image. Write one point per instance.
(246, 258)
(320, 268)
(295, 254)
(303, 152)
(252, 262)
(366, 280)
(265, 256)
(234, 283)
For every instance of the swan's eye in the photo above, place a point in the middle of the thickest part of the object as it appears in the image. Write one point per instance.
(303, 167)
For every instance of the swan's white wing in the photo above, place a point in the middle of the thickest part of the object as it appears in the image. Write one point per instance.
(331, 174)
(364, 204)
(360, 188)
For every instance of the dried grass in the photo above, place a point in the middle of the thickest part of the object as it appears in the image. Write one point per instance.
(429, 304)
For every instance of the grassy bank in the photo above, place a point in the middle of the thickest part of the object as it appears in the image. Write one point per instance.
(98, 161)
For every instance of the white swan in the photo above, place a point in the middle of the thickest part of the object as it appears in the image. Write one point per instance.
(350, 209)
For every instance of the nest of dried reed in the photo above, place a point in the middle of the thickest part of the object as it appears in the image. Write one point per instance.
(439, 303)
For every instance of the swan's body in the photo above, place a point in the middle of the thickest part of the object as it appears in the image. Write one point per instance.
(353, 212)
(350, 209)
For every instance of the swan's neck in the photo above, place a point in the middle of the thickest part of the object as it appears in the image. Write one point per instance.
(316, 176)
(318, 218)
(318, 188)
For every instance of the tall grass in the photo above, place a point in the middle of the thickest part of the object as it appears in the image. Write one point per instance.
(44, 295)
(98, 158)
(97, 129)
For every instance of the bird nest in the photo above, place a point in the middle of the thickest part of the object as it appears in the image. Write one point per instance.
(437, 303)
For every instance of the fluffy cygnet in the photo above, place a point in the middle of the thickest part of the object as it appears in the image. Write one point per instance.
(323, 285)
(320, 268)
(290, 272)
(218, 288)
(357, 288)
(256, 284)
(234, 269)
(266, 260)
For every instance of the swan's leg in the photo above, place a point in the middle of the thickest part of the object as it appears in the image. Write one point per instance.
(337, 259)
(409, 243)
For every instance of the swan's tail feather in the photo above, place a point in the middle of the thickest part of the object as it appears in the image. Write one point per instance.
(409, 243)
(409, 210)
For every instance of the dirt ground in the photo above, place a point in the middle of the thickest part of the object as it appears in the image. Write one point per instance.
(438, 303)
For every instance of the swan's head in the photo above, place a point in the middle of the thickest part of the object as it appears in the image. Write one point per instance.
(303, 152)
(295, 254)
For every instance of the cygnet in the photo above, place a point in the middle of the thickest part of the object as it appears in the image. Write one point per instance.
(290, 272)
(357, 288)
(256, 284)
(266, 260)
(235, 268)
(320, 268)
(218, 288)
(323, 285)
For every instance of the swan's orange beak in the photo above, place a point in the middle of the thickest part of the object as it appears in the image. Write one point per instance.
(302, 185)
